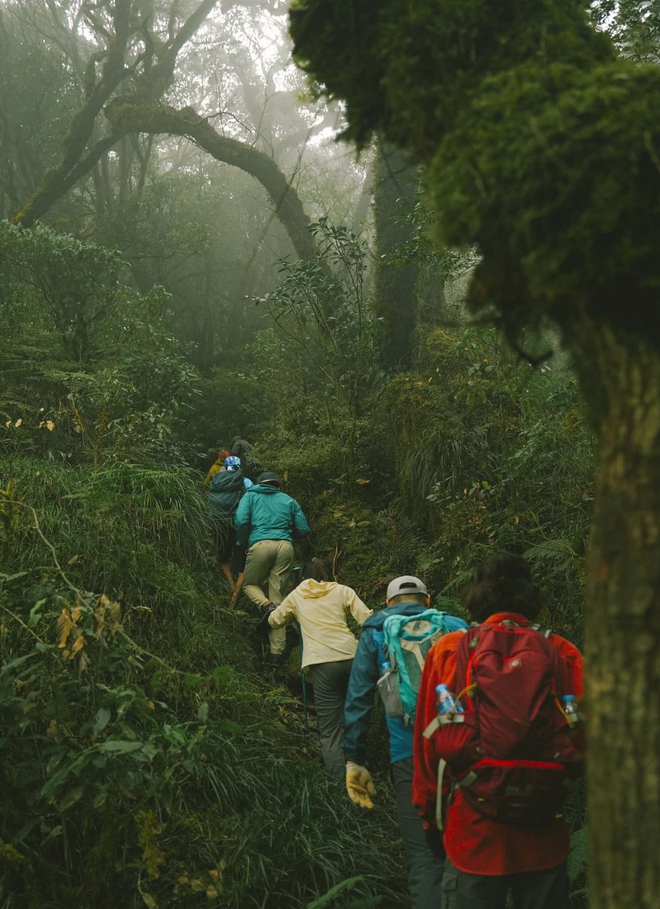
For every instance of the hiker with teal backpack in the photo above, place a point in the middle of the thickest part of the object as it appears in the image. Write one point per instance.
(390, 656)
(227, 487)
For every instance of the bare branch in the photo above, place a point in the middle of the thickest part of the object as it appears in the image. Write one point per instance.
(82, 124)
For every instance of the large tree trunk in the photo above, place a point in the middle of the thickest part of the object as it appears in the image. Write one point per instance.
(395, 190)
(623, 626)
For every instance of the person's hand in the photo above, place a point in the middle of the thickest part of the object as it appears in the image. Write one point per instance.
(263, 626)
(359, 785)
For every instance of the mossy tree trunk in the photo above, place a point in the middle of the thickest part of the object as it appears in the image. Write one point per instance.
(395, 191)
(623, 626)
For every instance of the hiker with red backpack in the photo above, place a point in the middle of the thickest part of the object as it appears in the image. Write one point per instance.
(390, 655)
(496, 741)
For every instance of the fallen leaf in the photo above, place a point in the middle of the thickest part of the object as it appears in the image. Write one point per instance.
(50, 426)
(64, 626)
(18, 422)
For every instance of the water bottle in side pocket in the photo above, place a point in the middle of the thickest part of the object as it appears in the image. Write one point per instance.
(388, 689)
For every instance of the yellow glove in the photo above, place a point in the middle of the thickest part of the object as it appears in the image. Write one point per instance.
(359, 785)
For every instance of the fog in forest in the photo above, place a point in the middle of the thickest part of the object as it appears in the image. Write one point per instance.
(399, 257)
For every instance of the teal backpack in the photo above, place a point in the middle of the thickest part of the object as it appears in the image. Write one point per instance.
(407, 641)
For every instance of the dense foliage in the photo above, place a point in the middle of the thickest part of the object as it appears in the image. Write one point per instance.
(538, 101)
(159, 310)
(142, 758)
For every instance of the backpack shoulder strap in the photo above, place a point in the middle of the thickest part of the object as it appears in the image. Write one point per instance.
(546, 632)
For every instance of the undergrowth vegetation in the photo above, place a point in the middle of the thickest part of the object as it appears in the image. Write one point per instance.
(143, 752)
(144, 756)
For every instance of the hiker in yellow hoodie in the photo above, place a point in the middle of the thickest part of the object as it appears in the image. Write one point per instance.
(320, 606)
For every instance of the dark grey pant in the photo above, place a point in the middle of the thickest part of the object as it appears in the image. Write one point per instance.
(330, 681)
(424, 867)
(531, 889)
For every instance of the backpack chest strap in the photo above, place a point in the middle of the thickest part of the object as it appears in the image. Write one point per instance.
(442, 719)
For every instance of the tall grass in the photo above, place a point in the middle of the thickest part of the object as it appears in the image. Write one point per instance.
(154, 772)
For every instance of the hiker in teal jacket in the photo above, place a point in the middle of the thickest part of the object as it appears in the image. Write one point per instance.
(407, 596)
(269, 520)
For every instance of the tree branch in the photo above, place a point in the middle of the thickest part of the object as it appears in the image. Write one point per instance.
(82, 124)
(127, 117)
(164, 69)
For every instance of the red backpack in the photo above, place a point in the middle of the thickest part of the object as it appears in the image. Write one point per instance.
(510, 751)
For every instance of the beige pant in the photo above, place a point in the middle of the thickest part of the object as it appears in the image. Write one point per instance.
(271, 561)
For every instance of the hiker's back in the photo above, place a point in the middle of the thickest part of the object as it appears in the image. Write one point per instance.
(509, 749)
(266, 513)
(271, 513)
(226, 490)
(517, 677)
(504, 759)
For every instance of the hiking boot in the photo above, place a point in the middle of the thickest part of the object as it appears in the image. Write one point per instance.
(275, 659)
(262, 628)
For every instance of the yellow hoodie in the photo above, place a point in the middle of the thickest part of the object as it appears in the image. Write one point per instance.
(320, 608)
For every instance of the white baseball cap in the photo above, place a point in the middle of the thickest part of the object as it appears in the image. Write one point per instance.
(405, 584)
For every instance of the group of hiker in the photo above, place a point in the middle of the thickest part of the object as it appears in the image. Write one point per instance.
(255, 526)
(482, 719)
(483, 728)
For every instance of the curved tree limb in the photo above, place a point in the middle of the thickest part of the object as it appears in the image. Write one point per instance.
(128, 117)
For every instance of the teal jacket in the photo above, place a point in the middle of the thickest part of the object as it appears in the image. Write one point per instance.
(265, 513)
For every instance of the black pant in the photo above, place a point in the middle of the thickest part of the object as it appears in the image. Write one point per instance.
(425, 867)
(330, 681)
(531, 889)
